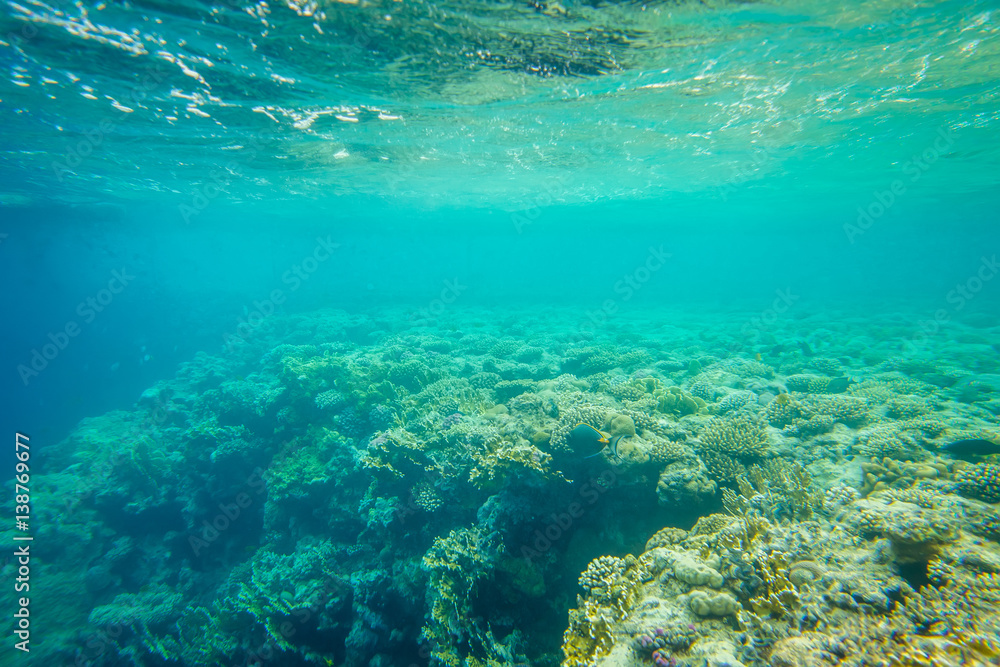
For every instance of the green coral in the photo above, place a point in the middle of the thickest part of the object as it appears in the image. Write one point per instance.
(455, 564)
(302, 463)
(675, 401)
(742, 436)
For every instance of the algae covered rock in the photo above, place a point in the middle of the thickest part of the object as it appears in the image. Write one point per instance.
(705, 603)
(695, 573)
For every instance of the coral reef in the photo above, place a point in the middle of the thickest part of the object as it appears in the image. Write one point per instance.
(364, 490)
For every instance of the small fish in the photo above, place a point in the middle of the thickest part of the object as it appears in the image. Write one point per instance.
(838, 385)
(758, 356)
(966, 449)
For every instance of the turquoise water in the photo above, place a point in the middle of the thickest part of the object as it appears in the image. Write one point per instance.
(368, 263)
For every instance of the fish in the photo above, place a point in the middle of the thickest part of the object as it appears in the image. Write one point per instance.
(838, 385)
(586, 440)
(972, 447)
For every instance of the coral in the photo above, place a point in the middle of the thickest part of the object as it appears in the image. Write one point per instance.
(850, 410)
(427, 498)
(907, 407)
(665, 537)
(589, 635)
(886, 440)
(703, 388)
(618, 424)
(506, 348)
(704, 603)
(413, 374)
(776, 491)
(155, 605)
(330, 400)
(625, 389)
(827, 366)
(746, 368)
(529, 353)
(980, 480)
(838, 496)
(596, 360)
(988, 526)
(666, 451)
(682, 483)
(889, 473)
(916, 534)
(508, 389)
(455, 564)
(484, 380)
(737, 400)
(351, 423)
(610, 581)
(782, 411)
(807, 384)
(397, 453)
(500, 462)
(382, 417)
(301, 463)
(675, 636)
(674, 401)
(777, 595)
(741, 436)
(721, 468)
(695, 573)
(711, 524)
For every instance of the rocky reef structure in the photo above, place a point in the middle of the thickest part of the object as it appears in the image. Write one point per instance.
(382, 490)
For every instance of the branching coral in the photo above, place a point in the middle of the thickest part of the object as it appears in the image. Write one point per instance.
(742, 436)
(980, 480)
